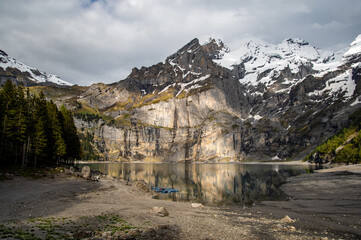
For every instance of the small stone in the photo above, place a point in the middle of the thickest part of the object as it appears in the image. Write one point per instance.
(69, 171)
(156, 196)
(287, 219)
(119, 235)
(85, 172)
(197, 205)
(160, 211)
(133, 232)
(106, 234)
(82, 234)
(142, 185)
(292, 228)
(95, 178)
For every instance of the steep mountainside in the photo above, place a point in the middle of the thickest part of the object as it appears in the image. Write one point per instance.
(209, 103)
(344, 147)
(187, 108)
(18, 72)
(298, 93)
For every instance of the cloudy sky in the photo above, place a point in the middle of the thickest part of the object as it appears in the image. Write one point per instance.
(88, 41)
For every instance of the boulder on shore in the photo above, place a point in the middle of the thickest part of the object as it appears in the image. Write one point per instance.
(197, 205)
(142, 185)
(160, 211)
(85, 172)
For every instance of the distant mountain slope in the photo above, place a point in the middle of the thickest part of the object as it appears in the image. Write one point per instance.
(16, 71)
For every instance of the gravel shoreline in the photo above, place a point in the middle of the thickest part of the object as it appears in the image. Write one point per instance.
(75, 199)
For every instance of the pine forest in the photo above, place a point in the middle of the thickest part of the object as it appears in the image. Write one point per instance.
(33, 131)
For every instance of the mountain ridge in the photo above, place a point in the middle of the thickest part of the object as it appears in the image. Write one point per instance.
(275, 102)
(17, 71)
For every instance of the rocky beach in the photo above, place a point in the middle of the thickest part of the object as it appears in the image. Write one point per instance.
(323, 205)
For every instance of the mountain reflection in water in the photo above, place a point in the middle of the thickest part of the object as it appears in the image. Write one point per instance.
(241, 184)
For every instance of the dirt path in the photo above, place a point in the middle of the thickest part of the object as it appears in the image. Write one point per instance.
(75, 199)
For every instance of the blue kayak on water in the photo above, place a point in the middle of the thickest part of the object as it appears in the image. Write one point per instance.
(165, 190)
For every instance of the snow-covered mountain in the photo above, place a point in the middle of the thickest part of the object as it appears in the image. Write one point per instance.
(354, 51)
(207, 102)
(12, 69)
(281, 66)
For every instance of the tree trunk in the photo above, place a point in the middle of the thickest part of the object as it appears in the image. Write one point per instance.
(27, 151)
(23, 156)
(19, 133)
(16, 154)
(3, 135)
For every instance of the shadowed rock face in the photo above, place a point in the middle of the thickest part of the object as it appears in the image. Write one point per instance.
(274, 102)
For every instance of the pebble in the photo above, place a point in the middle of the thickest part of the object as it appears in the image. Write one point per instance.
(292, 228)
(106, 234)
(287, 219)
(197, 205)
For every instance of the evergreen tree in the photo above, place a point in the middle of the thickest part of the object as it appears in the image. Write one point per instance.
(59, 146)
(29, 122)
(9, 124)
(70, 134)
(33, 130)
(21, 122)
(2, 114)
(40, 140)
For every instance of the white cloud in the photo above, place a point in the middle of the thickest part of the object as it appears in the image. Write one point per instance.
(333, 25)
(90, 41)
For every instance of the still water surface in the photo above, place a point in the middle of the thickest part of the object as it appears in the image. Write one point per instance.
(211, 184)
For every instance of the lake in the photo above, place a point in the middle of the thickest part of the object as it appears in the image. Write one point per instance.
(211, 184)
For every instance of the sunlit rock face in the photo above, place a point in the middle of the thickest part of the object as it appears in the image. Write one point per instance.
(211, 103)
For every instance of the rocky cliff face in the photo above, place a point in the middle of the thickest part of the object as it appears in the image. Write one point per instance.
(208, 103)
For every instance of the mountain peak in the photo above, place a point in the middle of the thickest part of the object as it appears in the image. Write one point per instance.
(264, 62)
(215, 48)
(192, 46)
(297, 41)
(355, 48)
(357, 40)
(2, 53)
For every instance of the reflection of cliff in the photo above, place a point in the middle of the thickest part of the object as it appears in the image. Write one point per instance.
(209, 183)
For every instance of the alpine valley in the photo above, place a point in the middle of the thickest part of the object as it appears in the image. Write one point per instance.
(209, 103)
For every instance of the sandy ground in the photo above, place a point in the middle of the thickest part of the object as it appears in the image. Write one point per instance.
(325, 205)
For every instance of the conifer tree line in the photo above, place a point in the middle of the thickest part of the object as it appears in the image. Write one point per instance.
(33, 131)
